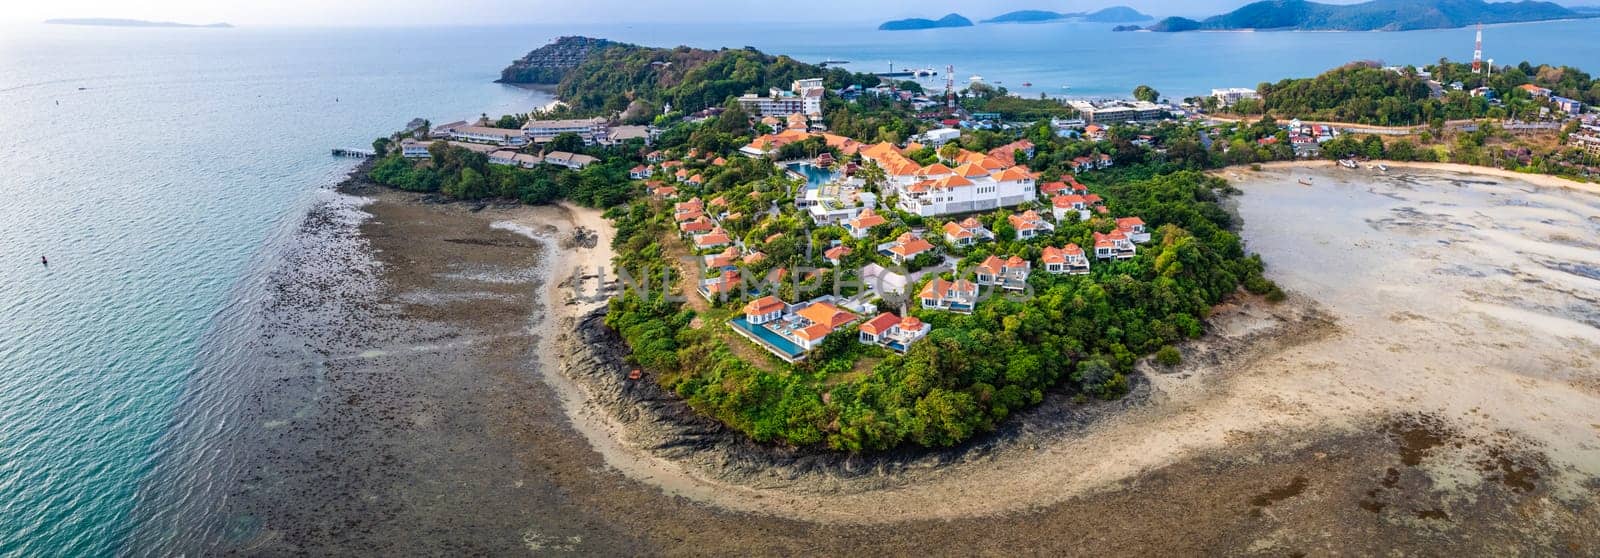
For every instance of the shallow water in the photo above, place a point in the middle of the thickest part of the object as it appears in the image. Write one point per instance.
(160, 171)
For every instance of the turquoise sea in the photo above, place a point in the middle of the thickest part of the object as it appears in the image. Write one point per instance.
(161, 170)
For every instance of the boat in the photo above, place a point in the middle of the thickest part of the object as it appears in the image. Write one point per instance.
(1027, 84)
(1383, 168)
(635, 374)
(975, 78)
(1305, 182)
(1066, 87)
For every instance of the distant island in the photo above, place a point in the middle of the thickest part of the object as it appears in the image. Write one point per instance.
(950, 20)
(1375, 15)
(1115, 14)
(1121, 28)
(116, 22)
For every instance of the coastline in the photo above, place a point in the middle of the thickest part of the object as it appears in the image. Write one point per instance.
(471, 403)
(653, 437)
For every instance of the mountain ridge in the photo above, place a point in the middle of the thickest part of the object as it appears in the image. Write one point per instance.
(1374, 15)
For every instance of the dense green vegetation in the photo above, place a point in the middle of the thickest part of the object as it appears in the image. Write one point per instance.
(1374, 15)
(1077, 333)
(612, 79)
(1365, 94)
(459, 173)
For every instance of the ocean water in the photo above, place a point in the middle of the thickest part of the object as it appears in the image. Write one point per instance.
(161, 171)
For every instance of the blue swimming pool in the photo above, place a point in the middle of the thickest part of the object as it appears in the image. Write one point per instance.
(815, 176)
(767, 337)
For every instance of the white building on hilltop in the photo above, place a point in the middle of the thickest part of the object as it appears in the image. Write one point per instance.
(803, 97)
(1227, 97)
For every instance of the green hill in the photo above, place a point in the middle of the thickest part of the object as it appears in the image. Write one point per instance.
(1376, 15)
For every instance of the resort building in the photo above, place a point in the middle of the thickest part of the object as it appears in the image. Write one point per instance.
(1069, 259)
(719, 287)
(1113, 112)
(1228, 97)
(619, 134)
(836, 254)
(966, 233)
(640, 172)
(804, 97)
(836, 201)
(592, 130)
(907, 247)
(570, 160)
(413, 149)
(485, 134)
(764, 310)
(790, 331)
(1588, 143)
(1061, 206)
(893, 332)
(861, 226)
(1134, 228)
(1008, 153)
(725, 259)
(1113, 245)
(1029, 224)
(1010, 273)
(714, 238)
(977, 182)
(956, 296)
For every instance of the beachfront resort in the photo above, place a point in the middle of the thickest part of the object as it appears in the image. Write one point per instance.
(914, 229)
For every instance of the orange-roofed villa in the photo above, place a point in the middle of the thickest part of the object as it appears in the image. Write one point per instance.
(906, 247)
(1008, 273)
(893, 332)
(966, 232)
(1069, 259)
(789, 332)
(1029, 224)
(956, 296)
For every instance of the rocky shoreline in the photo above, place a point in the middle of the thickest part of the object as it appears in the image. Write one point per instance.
(660, 423)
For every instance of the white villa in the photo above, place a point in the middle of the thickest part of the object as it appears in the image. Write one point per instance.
(966, 233)
(1115, 244)
(413, 149)
(570, 160)
(907, 247)
(837, 201)
(861, 226)
(1061, 206)
(1029, 224)
(1134, 228)
(1069, 260)
(893, 332)
(956, 296)
(1010, 274)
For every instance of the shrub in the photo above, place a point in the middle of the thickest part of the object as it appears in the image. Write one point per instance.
(1169, 356)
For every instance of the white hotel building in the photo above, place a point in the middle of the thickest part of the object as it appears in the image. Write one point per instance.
(978, 182)
(804, 97)
(592, 130)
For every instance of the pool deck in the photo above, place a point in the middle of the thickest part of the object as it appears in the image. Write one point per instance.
(769, 340)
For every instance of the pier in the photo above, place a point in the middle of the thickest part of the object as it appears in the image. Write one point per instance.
(353, 152)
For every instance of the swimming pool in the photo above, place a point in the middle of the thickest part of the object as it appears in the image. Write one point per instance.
(815, 176)
(766, 337)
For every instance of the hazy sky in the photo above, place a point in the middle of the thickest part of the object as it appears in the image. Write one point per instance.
(457, 12)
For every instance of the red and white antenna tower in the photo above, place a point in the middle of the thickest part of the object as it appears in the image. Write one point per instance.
(1477, 52)
(950, 86)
